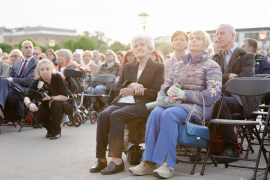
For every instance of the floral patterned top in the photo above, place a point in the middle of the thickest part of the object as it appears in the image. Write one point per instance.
(201, 80)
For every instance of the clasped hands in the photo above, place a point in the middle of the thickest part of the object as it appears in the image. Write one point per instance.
(176, 93)
(133, 89)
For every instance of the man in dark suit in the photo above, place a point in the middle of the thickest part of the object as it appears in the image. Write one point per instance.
(22, 73)
(234, 62)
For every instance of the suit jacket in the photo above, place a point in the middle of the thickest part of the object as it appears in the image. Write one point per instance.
(241, 63)
(3, 67)
(28, 74)
(151, 78)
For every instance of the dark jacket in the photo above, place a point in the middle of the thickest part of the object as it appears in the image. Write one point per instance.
(151, 78)
(262, 66)
(241, 63)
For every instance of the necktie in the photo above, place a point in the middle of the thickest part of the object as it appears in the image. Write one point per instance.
(23, 68)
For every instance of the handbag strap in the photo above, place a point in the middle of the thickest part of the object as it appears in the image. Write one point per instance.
(203, 109)
(190, 112)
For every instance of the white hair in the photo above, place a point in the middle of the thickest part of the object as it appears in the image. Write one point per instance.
(207, 38)
(26, 42)
(1, 51)
(80, 56)
(67, 54)
(18, 51)
(96, 51)
(148, 39)
(230, 28)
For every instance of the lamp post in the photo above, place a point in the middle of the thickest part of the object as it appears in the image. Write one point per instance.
(263, 35)
(51, 44)
(144, 18)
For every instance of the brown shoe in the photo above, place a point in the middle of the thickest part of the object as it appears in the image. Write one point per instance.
(1, 114)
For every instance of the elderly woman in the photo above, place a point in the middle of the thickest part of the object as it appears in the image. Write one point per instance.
(77, 57)
(50, 54)
(50, 111)
(129, 57)
(64, 60)
(201, 83)
(138, 85)
(87, 57)
(110, 66)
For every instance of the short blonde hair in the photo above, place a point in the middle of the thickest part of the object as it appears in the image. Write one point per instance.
(114, 55)
(207, 38)
(43, 61)
(87, 52)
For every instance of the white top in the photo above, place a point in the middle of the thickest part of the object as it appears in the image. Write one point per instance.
(61, 71)
(130, 99)
(229, 54)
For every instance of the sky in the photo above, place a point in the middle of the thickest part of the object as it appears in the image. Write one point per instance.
(119, 19)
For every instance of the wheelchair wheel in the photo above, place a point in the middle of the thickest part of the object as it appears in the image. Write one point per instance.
(70, 123)
(84, 119)
(77, 120)
(94, 117)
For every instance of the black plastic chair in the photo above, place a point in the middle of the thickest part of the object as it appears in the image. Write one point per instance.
(244, 87)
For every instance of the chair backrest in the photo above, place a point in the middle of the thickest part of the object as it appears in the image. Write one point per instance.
(72, 72)
(248, 86)
(104, 78)
(262, 75)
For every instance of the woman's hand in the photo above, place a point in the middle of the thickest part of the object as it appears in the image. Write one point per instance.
(126, 92)
(33, 107)
(138, 89)
(47, 98)
(176, 93)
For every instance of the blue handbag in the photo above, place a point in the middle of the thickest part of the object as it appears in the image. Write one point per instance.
(194, 135)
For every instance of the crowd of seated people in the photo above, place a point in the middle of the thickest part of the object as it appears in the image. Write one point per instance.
(141, 73)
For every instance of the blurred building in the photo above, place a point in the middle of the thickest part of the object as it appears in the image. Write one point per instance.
(41, 35)
(241, 34)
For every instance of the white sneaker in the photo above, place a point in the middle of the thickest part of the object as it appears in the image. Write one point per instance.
(65, 118)
(143, 168)
(164, 174)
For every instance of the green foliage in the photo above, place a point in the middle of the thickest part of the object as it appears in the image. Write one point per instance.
(43, 48)
(16, 46)
(127, 47)
(5, 47)
(117, 45)
(167, 48)
(100, 39)
(83, 43)
(68, 44)
(27, 39)
(57, 47)
(116, 49)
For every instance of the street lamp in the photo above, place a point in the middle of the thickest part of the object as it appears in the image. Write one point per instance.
(144, 18)
(263, 35)
(52, 43)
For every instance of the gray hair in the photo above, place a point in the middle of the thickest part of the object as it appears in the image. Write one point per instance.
(148, 39)
(67, 54)
(80, 56)
(253, 43)
(1, 51)
(96, 51)
(230, 28)
(18, 51)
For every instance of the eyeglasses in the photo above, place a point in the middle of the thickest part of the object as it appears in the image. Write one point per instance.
(14, 56)
(109, 54)
(36, 54)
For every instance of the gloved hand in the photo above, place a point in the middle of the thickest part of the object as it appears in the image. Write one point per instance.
(178, 93)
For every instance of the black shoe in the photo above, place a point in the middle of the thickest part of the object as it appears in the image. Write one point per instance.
(193, 154)
(57, 136)
(228, 152)
(98, 166)
(112, 168)
(48, 135)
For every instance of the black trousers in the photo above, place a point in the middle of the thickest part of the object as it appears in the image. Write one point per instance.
(111, 123)
(230, 105)
(51, 118)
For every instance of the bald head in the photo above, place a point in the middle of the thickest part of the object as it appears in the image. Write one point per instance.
(27, 49)
(229, 27)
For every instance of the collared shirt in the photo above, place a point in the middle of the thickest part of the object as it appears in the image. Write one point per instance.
(229, 54)
(28, 60)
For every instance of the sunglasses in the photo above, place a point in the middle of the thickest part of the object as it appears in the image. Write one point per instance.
(36, 54)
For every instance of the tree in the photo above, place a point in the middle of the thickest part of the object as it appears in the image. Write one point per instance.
(100, 39)
(16, 46)
(27, 39)
(83, 43)
(127, 47)
(68, 44)
(57, 47)
(167, 48)
(5, 47)
(116, 49)
(43, 48)
(117, 45)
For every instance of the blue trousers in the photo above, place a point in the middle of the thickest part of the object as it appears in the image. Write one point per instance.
(162, 133)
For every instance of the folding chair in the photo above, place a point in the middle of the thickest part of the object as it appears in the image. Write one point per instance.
(243, 87)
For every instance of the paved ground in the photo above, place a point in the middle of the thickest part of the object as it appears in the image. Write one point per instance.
(28, 155)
